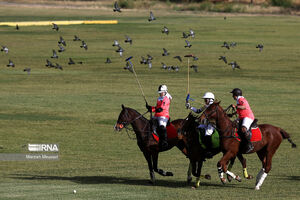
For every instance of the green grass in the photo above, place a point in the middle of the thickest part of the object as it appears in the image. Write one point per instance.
(77, 107)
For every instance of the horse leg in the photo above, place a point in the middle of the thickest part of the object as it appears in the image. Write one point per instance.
(150, 166)
(197, 173)
(229, 178)
(222, 167)
(189, 174)
(243, 162)
(267, 165)
(159, 171)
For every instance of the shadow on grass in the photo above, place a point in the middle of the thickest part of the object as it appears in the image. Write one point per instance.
(290, 178)
(118, 180)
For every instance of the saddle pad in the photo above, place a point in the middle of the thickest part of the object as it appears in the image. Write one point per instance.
(256, 135)
(172, 131)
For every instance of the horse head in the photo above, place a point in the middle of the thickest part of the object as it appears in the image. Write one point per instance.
(124, 119)
(211, 112)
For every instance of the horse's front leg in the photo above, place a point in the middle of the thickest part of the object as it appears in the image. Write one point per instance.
(155, 164)
(197, 173)
(148, 157)
(222, 167)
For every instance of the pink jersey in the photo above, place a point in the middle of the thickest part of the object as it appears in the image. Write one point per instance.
(241, 101)
(164, 103)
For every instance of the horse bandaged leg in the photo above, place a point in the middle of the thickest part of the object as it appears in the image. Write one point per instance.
(261, 180)
(260, 173)
(197, 184)
(245, 173)
(233, 175)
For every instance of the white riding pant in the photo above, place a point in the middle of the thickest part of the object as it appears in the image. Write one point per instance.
(247, 122)
(209, 129)
(162, 121)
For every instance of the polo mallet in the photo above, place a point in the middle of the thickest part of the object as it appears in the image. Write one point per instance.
(136, 78)
(188, 79)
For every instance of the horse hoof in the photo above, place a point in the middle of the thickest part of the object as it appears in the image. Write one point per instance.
(207, 176)
(229, 178)
(223, 180)
(257, 188)
(249, 177)
(169, 174)
(238, 179)
(193, 187)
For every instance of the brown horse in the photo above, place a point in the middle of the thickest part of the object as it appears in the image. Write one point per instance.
(271, 139)
(197, 154)
(146, 142)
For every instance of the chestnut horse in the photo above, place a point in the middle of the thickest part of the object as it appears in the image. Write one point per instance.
(271, 139)
(197, 154)
(147, 144)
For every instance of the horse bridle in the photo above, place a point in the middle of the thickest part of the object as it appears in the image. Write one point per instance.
(125, 124)
(216, 110)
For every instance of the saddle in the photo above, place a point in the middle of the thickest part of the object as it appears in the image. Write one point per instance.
(255, 132)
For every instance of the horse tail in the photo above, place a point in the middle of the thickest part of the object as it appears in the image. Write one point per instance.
(285, 135)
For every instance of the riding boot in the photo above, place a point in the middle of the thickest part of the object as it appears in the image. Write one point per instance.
(250, 146)
(163, 138)
(208, 144)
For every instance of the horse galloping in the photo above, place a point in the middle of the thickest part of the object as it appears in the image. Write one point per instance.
(197, 154)
(146, 142)
(265, 148)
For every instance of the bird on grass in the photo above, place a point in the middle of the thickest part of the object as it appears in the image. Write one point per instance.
(107, 60)
(165, 30)
(194, 67)
(128, 39)
(164, 66)
(184, 35)
(27, 70)
(195, 58)
(54, 54)
(84, 45)
(178, 57)
(62, 41)
(17, 27)
(5, 49)
(226, 45)
(223, 58)
(260, 47)
(120, 50)
(188, 44)
(165, 52)
(116, 7)
(192, 33)
(175, 68)
(144, 60)
(71, 62)
(49, 63)
(76, 38)
(151, 18)
(58, 66)
(115, 44)
(233, 44)
(234, 65)
(55, 27)
(10, 63)
(149, 57)
(61, 48)
(149, 64)
(128, 67)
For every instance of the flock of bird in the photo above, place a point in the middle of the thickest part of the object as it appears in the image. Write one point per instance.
(49, 62)
(165, 30)
(147, 60)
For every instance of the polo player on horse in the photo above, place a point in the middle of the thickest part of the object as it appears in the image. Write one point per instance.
(162, 114)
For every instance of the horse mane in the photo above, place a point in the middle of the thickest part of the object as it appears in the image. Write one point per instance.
(135, 111)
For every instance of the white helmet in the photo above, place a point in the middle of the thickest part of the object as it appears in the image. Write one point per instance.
(162, 88)
(210, 96)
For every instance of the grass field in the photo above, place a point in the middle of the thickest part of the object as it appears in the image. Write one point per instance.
(78, 106)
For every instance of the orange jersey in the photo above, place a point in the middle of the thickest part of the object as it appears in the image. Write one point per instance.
(241, 101)
(164, 103)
